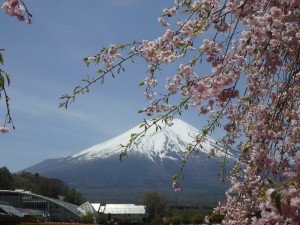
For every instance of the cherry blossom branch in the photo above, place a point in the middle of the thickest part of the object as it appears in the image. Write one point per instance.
(5, 80)
(18, 9)
(67, 98)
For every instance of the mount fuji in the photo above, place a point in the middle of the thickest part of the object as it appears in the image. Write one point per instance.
(149, 165)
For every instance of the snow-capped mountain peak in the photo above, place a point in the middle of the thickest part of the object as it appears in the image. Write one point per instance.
(168, 143)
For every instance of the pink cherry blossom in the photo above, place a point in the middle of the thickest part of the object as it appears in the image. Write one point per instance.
(15, 8)
(4, 130)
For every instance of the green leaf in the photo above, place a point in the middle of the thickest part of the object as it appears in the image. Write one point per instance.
(273, 194)
(1, 82)
(76, 89)
(141, 83)
(100, 71)
(7, 78)
(181, 44)
(276, 199)
(270, 181)
(1, 59)
(193, 62)
(264, 197)
(278, 202)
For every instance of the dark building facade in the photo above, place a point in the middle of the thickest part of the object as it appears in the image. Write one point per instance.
(46, 208)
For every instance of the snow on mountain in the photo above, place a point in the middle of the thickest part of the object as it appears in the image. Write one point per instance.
(167, 143)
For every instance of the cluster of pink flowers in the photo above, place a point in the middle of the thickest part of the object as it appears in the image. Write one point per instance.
(112, 52)
(162, 49)
(281, 205)
(176, 186)
(14, 8)
(4, 130)
(156, 107)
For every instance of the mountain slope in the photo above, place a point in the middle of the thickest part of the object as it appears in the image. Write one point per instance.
(167, 143)
(150, 164)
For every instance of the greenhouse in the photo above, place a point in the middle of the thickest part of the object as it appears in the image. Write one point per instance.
(45, 208)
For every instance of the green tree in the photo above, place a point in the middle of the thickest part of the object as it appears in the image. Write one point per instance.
(155, 203)
(6, 179)
(157, 221)
(216, 218)
(49, 187)
(89, 218)
(197, 219)
(179, 219)
(74, 197)
(102, 218)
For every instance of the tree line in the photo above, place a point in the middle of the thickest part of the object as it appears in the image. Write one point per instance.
(161, 213)
(37, 184)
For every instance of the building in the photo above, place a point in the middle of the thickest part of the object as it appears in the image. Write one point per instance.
(8, 210)
(45, 208)
(9, 214)
(122, 212)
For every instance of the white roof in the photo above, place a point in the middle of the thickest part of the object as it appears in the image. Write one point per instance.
(124, 209)
(86, 208)
(96, 206)
(102, 207)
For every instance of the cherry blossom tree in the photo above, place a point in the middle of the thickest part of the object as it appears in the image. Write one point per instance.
(253, 49)
(252, 91)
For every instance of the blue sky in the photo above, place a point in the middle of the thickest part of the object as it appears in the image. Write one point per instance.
(45, 61)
